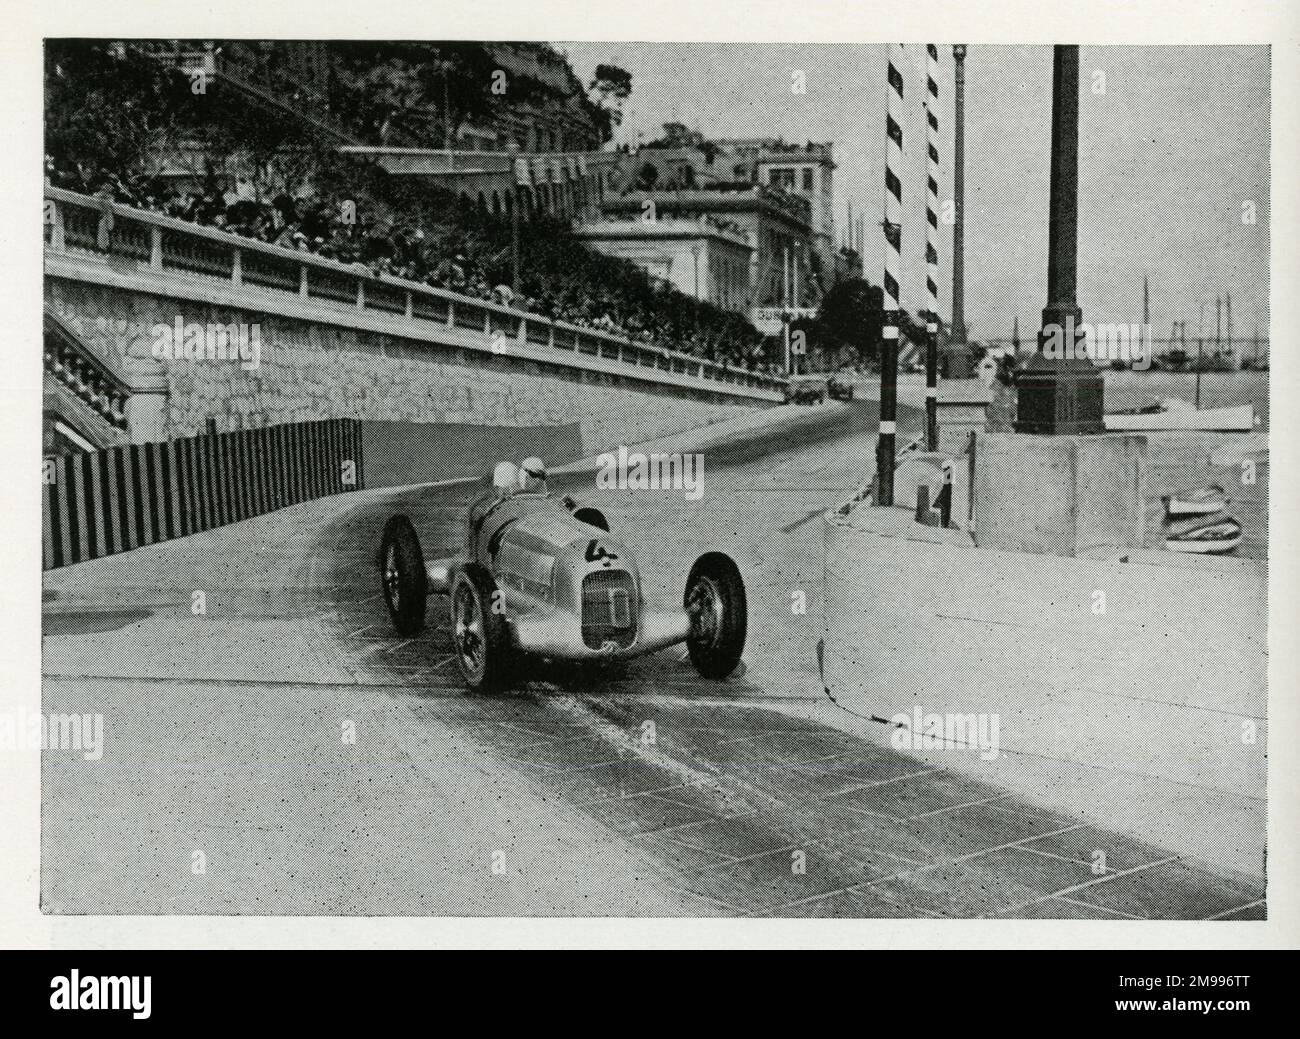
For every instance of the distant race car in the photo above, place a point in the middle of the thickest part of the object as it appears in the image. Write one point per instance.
(806, 389)
(840, 387)
(541, 576)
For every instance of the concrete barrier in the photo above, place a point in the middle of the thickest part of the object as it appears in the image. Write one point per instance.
(1132, 672)
(402, 453)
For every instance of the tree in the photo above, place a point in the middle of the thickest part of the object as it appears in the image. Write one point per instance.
(609, 89)
(677, 135)
(110, 118)
(395, 88)
(852, 315)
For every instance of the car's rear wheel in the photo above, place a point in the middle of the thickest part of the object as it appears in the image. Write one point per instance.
(715, 602)
(405, 581)
(480, 640)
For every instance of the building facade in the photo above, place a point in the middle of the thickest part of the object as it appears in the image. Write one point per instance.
(776, 226)
(807, 171)
(696, 257)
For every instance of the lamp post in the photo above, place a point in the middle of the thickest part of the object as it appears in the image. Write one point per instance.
(958, 363)
(1062, 394)
(513, 149)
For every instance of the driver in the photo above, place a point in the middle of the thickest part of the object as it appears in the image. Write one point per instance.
(532, 476)
(505, 480)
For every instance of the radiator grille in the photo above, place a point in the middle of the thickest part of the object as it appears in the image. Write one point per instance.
(608, 609)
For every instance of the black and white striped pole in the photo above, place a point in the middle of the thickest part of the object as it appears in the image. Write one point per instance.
(893, 226)
(931, 250)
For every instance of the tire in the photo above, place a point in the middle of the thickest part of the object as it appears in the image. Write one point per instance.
(402, 574)
(715, 599)
(480, 641)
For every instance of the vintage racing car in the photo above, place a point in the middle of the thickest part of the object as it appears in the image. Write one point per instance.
(540, 576)
(806, 389)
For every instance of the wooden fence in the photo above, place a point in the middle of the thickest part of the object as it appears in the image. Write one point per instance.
(98, 503)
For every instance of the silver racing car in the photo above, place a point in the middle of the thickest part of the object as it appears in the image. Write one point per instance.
(541, 576)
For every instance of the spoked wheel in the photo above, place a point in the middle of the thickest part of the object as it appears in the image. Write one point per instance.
(480, 641)
(715, 601)
(406, 583)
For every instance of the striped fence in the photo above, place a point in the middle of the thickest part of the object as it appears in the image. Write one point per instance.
(98, 503)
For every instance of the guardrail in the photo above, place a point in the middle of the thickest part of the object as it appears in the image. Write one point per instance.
(88, 378)
(80, 224)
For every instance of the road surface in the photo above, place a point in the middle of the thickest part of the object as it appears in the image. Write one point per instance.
(271, 747)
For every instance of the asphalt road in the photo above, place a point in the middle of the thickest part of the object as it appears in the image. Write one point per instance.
(272, 747)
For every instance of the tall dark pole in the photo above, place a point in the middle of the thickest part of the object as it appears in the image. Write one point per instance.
(1063, 203)
(1063, 392)
(514, 249)
(959, 355)
(513, 149)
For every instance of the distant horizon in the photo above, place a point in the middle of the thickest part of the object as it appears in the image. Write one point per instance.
(1164, 186)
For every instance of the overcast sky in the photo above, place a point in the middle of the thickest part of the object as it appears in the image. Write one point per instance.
(1168, 154)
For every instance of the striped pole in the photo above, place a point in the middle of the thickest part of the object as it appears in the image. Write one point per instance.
(931, 252)
(893, 226)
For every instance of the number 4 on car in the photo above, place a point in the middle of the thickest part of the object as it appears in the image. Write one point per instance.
(540, 576)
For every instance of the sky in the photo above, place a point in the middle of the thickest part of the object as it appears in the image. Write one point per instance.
(1173, 143)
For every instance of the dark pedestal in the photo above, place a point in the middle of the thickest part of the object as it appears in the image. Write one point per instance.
(956, 361)
(1059, 396)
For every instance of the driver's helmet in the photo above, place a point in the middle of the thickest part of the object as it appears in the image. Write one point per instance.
(505, 478)
(532, 476)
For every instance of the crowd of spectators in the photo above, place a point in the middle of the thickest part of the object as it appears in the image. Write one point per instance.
(450, 244)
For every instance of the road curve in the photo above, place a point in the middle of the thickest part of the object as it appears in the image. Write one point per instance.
(271, 747)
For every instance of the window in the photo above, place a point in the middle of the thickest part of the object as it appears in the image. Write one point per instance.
(781, 177)
(807, 178)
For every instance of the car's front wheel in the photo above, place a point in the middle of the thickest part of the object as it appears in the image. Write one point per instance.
(405, 581)
(715, 602)
(480, 640)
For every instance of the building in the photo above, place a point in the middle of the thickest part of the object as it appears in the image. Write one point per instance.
(699, 257)
(776, 226)
(806, 170)
(803, 171)
(558, 119)
(300, 79)
(568, 185)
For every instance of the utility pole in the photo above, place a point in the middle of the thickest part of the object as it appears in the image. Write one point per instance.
(785, 309)
(513, 149)
(1200, 353)
(1227, 321)
(1218, 326)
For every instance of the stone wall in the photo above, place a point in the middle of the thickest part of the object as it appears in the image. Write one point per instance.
(320, 370)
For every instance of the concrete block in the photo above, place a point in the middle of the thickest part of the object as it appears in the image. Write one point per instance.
(1059, 495)
(961, 408)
